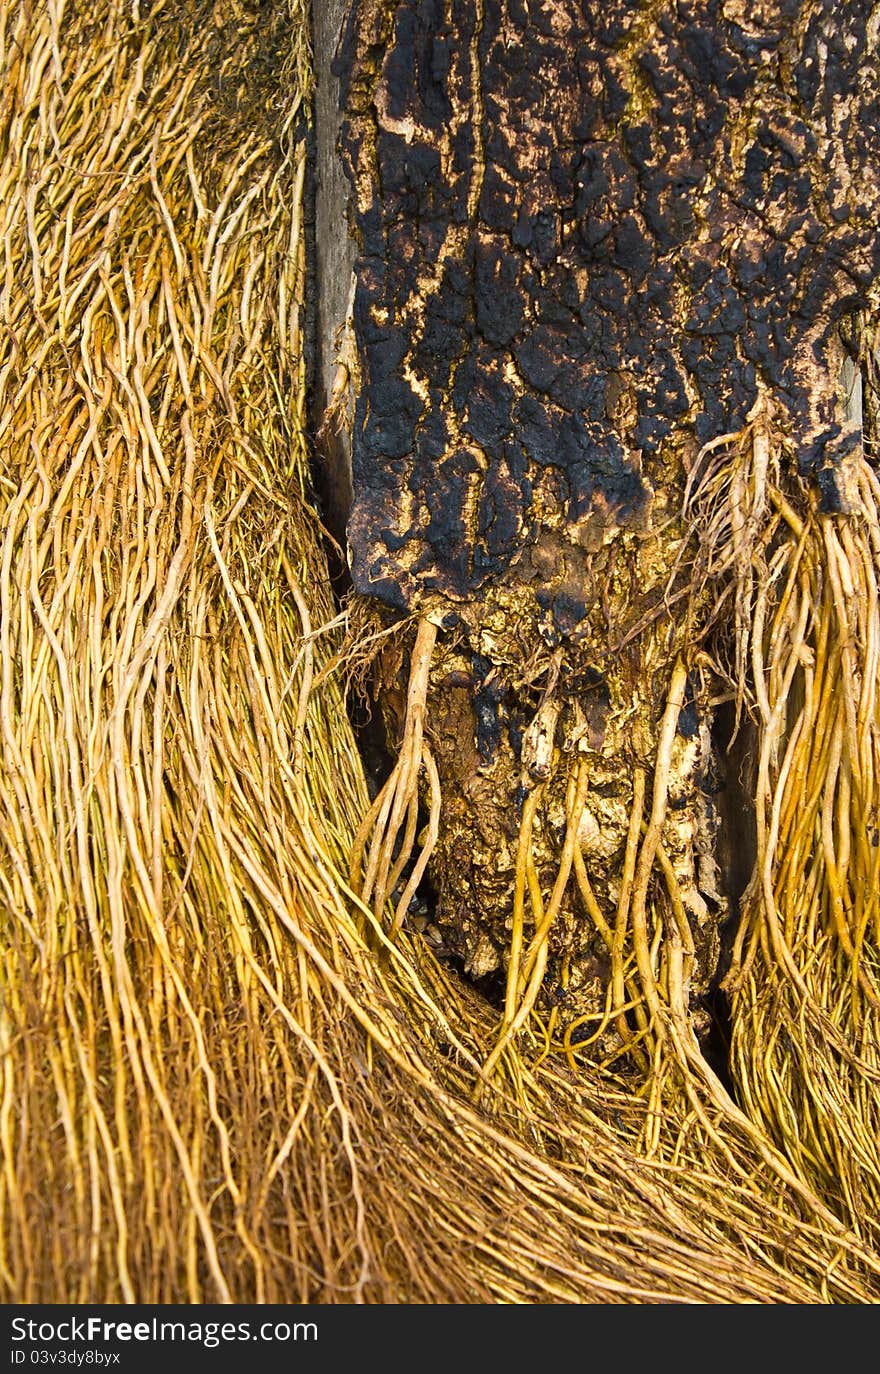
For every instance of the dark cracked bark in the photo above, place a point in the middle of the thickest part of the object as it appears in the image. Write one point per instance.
(593, 237)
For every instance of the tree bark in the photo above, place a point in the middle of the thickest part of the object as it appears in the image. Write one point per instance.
(592, 240)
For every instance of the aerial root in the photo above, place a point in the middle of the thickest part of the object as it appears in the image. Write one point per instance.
(391, 824)
(804, 976)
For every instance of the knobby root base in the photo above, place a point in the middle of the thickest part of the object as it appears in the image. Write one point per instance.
(799, 644)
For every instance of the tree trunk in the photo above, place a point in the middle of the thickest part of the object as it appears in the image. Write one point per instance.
(594, 240)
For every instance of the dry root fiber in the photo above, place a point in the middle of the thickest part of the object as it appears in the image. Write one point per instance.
(221, 1080)
(804, 979)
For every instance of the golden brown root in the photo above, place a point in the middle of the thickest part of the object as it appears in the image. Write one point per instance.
(157, 851)
(804, 980)
(525, 973)
(392, 820)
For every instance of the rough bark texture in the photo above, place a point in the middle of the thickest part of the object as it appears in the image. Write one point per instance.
(586, 228)
(590, 235)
